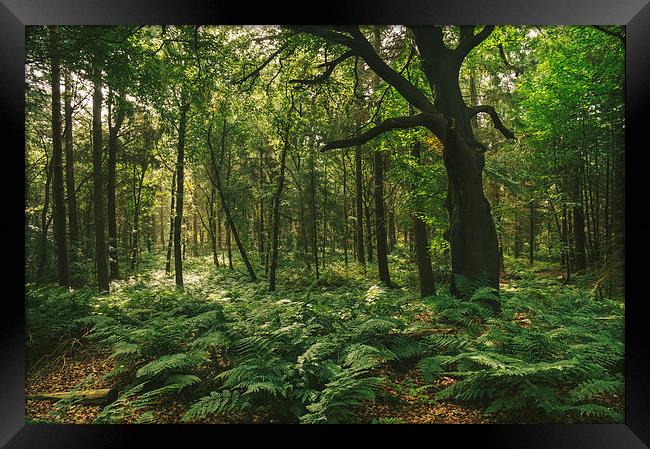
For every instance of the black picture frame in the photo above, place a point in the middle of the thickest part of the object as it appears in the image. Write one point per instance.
(15, 14)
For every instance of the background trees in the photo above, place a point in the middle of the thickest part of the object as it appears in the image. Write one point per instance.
(236, 118)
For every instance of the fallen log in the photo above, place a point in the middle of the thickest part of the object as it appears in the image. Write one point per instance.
(87, 397)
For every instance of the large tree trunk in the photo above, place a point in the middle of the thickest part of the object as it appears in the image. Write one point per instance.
(427, 285)
(380, 220)
(110, 186)
(358, 225)
(180, 177)
(472, 234)
(98, 185)
(58, 194)
(71, 193)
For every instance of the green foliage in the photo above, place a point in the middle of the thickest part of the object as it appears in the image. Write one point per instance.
(554, 362)
(554, 352)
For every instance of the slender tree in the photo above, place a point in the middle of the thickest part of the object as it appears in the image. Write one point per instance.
(113, 131)
(71, 192)
(358, 224)
(380, 220)
(427, 285)
(276, 205)
(98, 183)
(57, 162)
(180, 179)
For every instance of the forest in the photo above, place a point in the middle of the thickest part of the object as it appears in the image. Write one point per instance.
(324, 224)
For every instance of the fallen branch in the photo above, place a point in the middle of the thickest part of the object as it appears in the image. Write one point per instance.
(87, 397)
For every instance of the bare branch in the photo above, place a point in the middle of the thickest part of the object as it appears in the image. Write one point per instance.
(411, 121)
(496, 121)
(358, 43)
(256, 73)
(383, 95)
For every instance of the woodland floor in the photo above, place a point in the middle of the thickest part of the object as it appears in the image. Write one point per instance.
(78, 362)
(68, 371)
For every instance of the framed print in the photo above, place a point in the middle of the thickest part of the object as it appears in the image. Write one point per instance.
(429, 215)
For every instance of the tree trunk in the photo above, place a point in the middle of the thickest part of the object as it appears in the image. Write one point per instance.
(226, 209)
(427, 285)
(260, 240)
(358, 225)
(195, 228)
(471, 234)
(98, 185)
(162, 224)
(345, 207)
(45, 224)
(170, 240)
(531, 233)
(579, 233)
(213, 227)
(517, 243)
(110, 186)
(325, 214)
(137, 203)
(368, 234)
(58, 194)
(180, 177)
(392, 237)
(565, 244)
(314, 228)
(73, 215)
(380, 220)
(229, 229)
(499, 222)
(276, 214)
(135, 244)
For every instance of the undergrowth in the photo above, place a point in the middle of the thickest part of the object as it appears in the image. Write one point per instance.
(315, 350)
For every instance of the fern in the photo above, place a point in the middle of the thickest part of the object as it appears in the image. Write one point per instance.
(169, 363)
(217, 402)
